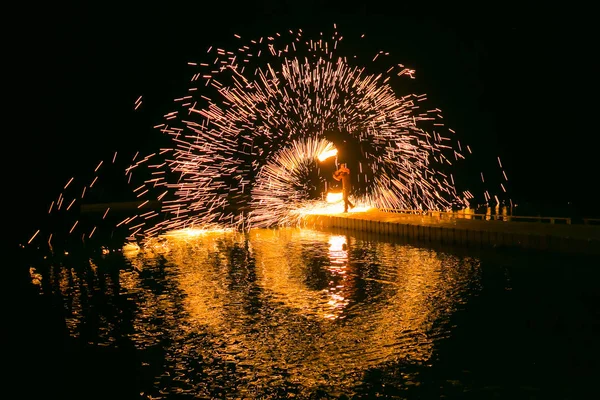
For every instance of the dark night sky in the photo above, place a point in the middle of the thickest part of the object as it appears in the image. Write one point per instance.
(514, 83)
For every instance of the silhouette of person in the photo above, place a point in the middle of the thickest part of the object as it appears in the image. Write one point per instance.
(343, 174)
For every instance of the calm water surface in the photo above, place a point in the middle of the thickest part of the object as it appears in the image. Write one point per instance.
(296, 313)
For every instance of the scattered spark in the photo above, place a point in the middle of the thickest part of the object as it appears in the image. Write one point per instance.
(70, 204)
(68, 183)
(33, 237)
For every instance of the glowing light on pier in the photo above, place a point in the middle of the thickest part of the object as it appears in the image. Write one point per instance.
(334, 197)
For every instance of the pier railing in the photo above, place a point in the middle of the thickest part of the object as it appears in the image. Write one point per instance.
(489, 217)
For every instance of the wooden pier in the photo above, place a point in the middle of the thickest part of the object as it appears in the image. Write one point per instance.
(462, 230)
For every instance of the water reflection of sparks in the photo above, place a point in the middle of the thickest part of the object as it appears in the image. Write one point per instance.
(416, 289)
(338, 256)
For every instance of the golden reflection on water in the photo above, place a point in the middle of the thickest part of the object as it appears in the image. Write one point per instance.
(286, 307)
(328, 306)
(281, 270)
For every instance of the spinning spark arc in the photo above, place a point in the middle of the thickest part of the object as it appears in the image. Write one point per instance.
(230, 157)
(248, 156)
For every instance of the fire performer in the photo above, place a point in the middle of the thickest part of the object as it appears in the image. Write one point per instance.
(343, 174)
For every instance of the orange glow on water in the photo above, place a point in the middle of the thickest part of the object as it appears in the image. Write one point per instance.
(336, 243)
(312, 280)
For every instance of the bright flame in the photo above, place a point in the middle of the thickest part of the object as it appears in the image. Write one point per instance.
(327, 154)
(334, 197)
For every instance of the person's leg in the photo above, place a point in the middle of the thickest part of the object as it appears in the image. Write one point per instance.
(347, 199)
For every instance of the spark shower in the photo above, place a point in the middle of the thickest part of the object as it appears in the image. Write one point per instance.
(255, 137)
